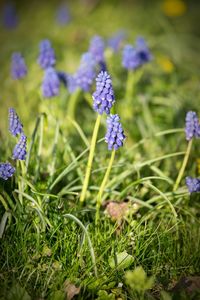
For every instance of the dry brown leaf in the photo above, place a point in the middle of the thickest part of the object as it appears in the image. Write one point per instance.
(117, 211)
(70, 289)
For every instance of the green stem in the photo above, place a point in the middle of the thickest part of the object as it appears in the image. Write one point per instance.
(39, 152)
(21, 183)
(4, 203)
(88, 239)
(129, 86)
(72, 104)
(88, 99)
(182, 169)
(32, 141)
(21, 95)
(103, 184)
(90, 158)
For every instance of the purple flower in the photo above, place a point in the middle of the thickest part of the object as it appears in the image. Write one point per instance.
(115, 41)
(87, 59)
(193, 184)
(103, 97)
(96, 48)
(130, 58)
(6, 170)
(84, 76)
(115, 133)
(72, 84)
(18, 66)
(9, 15)
(135, 57)
(63, 77)
(15, 126)
(46, 57)
(143, 51)
(19, 151)
(192, 126)
(63, 15)
(51, 83)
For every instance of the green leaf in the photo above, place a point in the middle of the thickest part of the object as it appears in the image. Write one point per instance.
(138, 280)
(123, 260)
(165, 296)
(103, 295)
(18, 293)
(57, 295)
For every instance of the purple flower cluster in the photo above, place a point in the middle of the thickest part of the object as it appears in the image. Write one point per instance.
(18, 66)
(143, 51)
(51, 83)
(46, 57)
(9, 14)
(96, 48)
(135, 57)
(130, 58)
(15, 126)
(6, 170)
(192, 126)
(115, 133)
(193, 184)
(116, 40)
(84, 76)
(63, 15)
(103, 97)
(63, 77)
(19, 151)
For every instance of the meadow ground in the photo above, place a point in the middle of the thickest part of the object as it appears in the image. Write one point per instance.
(147, 236)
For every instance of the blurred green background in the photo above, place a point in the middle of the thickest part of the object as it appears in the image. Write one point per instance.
(169, 26)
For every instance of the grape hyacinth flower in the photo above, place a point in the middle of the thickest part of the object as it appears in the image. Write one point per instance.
(6, 170)
(63, 77)
(130, 59)
(9, 16)
(19, 152)
(15, 126)
(62, 15)
(192, 126)
(96, 48)
(51, 83)
(18, 66)
(84, 76)
(103, 97)
(46, 57)
(115, 133)
(193, 184)
(115, 41)
(72, 84)
(143, 51)
(135, 57)
(192, 130)
(87, 59)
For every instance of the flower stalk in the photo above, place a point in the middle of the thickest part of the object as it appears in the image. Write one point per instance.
(182, 169)
(90, 159)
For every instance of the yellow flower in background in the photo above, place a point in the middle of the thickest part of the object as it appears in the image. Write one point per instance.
(174, 8)
(166, 64)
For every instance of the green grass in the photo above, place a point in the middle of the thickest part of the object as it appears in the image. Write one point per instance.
(41, 248)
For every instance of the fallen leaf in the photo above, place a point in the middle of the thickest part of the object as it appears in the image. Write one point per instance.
(70, 289)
